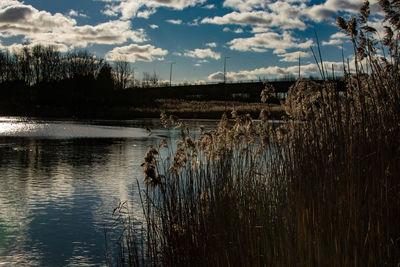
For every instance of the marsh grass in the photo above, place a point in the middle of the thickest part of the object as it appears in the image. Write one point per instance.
(206, 109)
(321, 189)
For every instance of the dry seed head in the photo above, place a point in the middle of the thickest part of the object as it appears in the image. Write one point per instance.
(364, 12)
(385, 5)
(223, 123)
(352, 27)
(189, 144)
(341, 23)
(174, 121)
(163, 143)
(303, 97)
(164, 120)
(361, 46)
(387, 40)
(264, 114)
(234, 113)
(201, 128)
(267, 92)
(179, 161)
(150, 176)
(150, 155)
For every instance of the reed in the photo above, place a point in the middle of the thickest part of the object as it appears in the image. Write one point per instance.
(206, 109)
(320, 189)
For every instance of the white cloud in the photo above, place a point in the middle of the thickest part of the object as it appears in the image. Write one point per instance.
(130, 8)
(293, 56)
(195, 22)
(274, 71)
(260, 42)
(336, 39)
(209, 6)
(134, 52)
(185, 82)
(237, 30)
(202, 53)
(153, 26)
(297, 8)
(200, 62)
(6, 3)
(330, 8)
(286, 9)
(286, 14)
(259, 18)
(17, 47)
(74, 13)
(245, 5)
(213, 44)
(259, 29)
(333, 42)
(174, 21)
(339, 35)
(42, 27)
(27, 17)
(146, 13)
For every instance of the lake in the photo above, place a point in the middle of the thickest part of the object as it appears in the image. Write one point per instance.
(60, 181)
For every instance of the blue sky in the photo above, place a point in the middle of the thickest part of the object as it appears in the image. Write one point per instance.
(263, 39)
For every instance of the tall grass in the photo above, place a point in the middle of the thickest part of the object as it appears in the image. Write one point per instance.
(320, 189)
(206, 109)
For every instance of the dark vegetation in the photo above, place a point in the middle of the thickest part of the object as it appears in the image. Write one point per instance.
(41, 81)
(320, 189)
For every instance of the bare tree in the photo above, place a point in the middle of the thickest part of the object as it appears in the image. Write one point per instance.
(25, 65)
(150, 80)
(82, 64)
(122, 71)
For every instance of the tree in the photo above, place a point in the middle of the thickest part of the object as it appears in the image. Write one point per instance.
(25, 65)
(150, 80)
(105, 78)
(122, 70)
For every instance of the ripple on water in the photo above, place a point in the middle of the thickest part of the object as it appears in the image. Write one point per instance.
(59, 183)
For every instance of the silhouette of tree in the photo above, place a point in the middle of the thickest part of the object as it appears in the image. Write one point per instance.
(150, 80)
(105, 79)
(122, 70)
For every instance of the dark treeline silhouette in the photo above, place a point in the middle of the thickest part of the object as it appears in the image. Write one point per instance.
(42, 81)
(41, 78)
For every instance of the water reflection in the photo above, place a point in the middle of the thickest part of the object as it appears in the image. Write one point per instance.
(55, 197)
(23, 127)
(58, 189)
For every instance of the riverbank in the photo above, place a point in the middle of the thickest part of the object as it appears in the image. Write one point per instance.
(182, 108)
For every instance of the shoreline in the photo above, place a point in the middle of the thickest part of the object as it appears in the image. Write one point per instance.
(181, 109)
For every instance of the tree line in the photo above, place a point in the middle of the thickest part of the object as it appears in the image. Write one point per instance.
(41, 80)
(39, 64)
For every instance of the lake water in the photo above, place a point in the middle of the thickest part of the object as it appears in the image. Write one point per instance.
(60, 181)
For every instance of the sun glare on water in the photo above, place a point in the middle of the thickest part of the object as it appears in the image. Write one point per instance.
(10, 126)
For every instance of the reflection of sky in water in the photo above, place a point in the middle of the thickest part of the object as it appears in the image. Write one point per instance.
(60, 129)
(59, 183)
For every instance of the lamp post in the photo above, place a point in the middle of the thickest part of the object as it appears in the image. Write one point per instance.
(170, 74)
(225, 69)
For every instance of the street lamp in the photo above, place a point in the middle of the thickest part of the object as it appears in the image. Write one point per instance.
(170, 74)
(225, 69)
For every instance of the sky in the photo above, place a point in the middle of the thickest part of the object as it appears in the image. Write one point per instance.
(252, 39)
